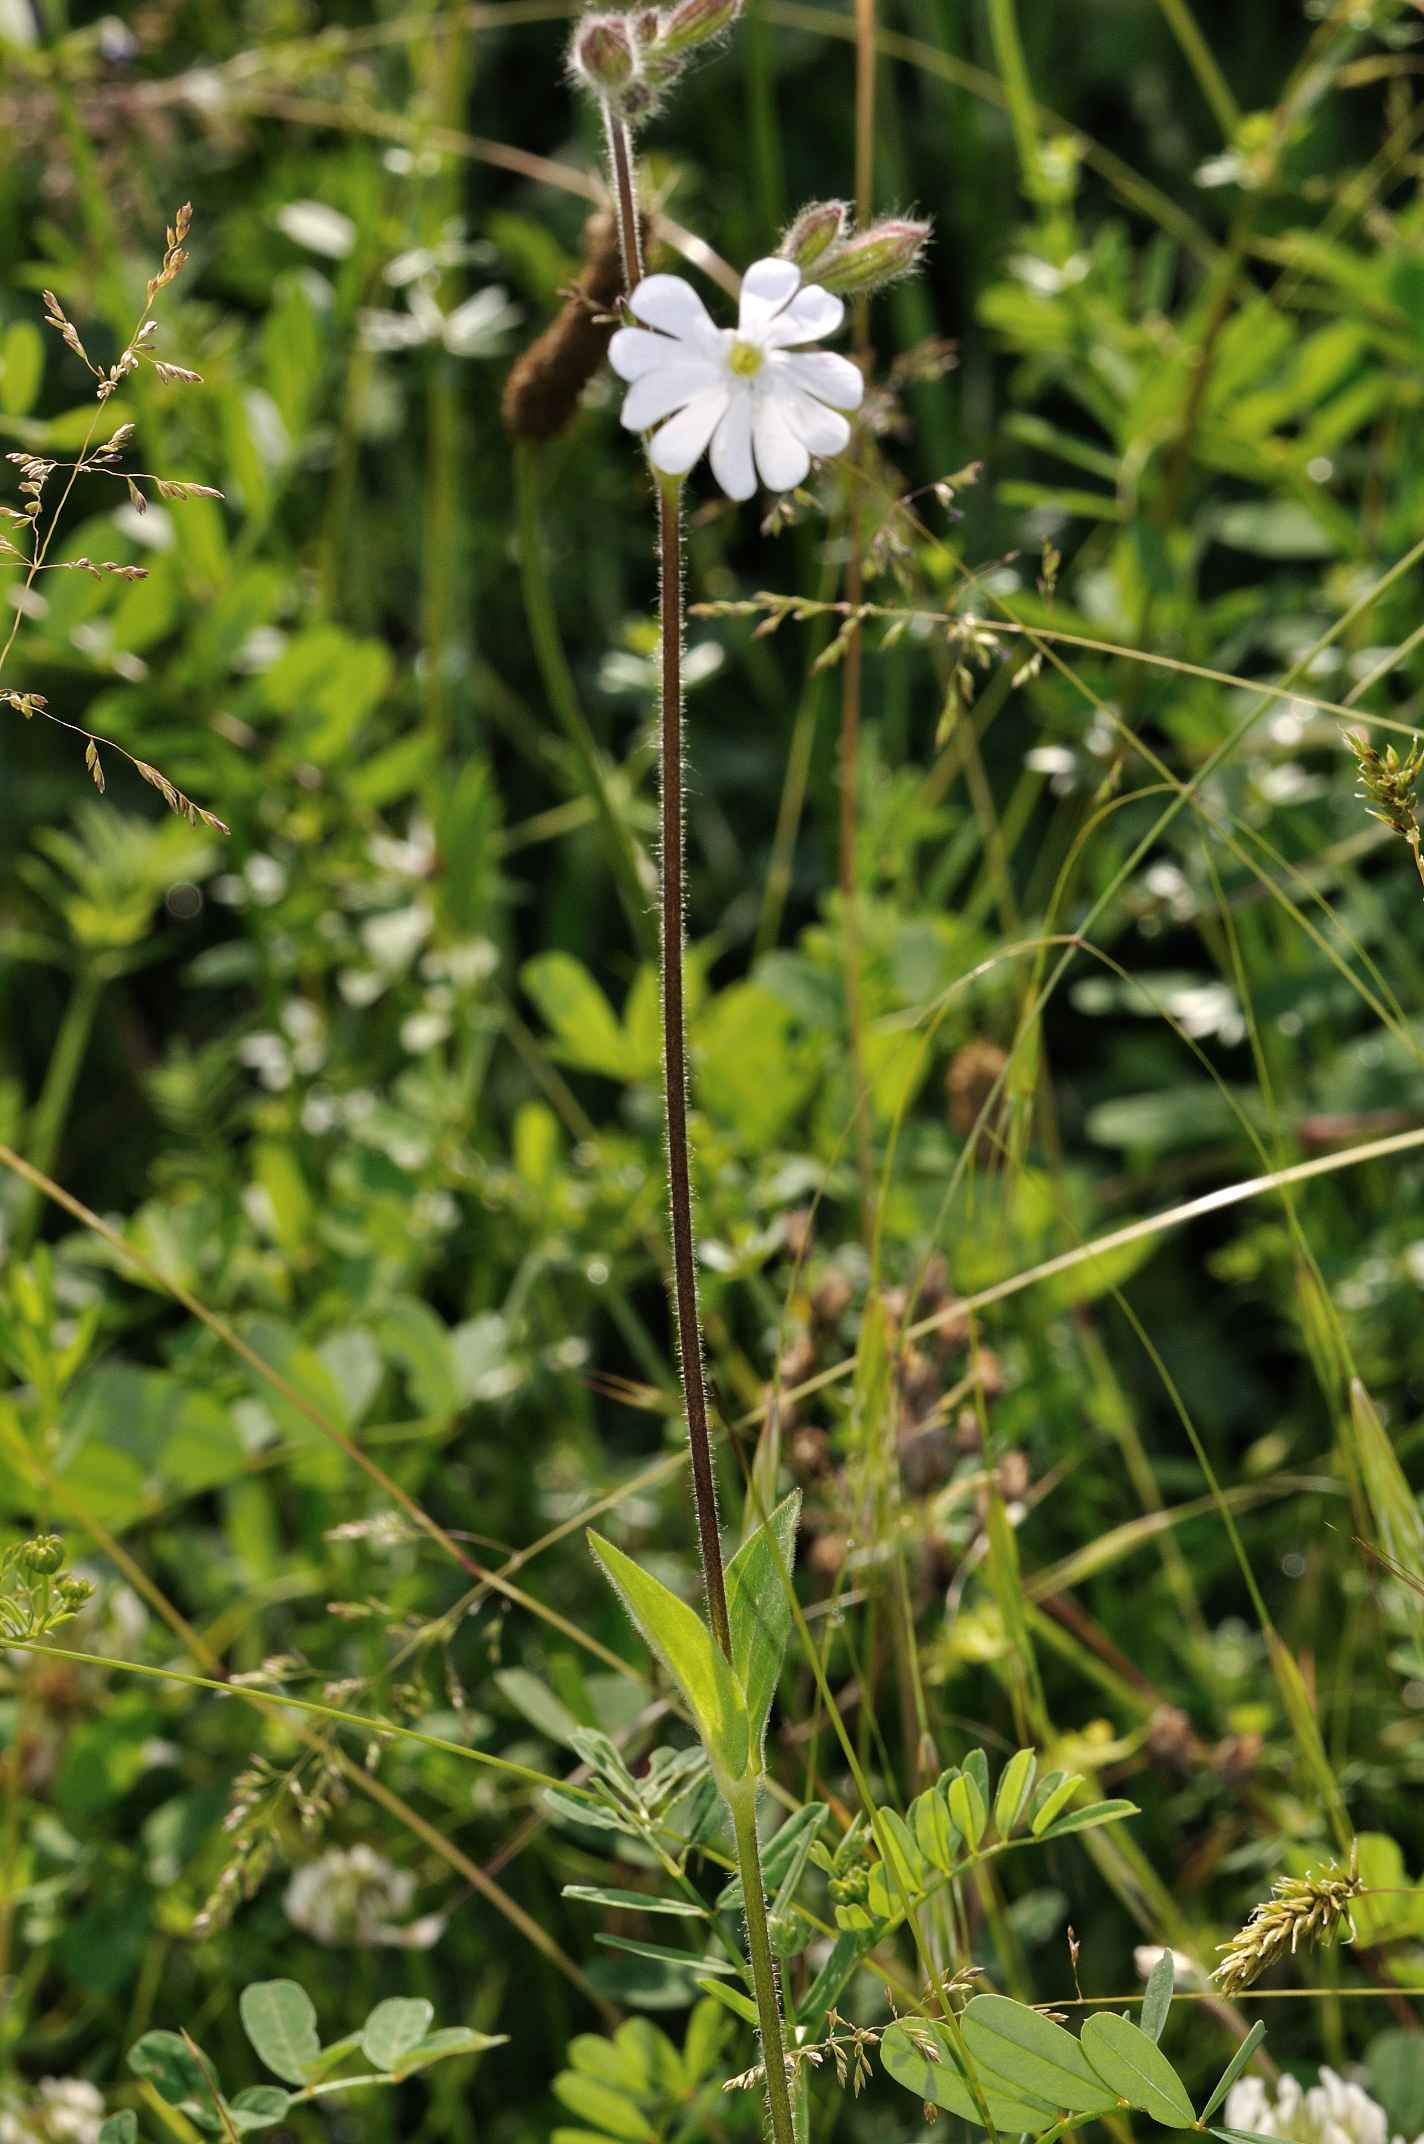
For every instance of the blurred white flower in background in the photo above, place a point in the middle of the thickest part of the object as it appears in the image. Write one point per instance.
(65, 2110)
(352, 1895)
(1331, 2112)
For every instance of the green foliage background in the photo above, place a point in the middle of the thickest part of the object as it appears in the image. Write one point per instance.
(374, 1079)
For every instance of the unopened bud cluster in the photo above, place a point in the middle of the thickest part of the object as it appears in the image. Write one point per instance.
(630, 61)
(828, 249)
(37, 1594)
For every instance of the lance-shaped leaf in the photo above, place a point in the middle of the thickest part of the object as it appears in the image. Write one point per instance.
(1158, 2000)
(921, 2056)
(1015, 1787)
(1088, 1818)
(759, 1602)
(967, 1807)
(1234, 2068)
(690, 1654)
(1014, 2047)
(1053, 1797)
(1136, 2069)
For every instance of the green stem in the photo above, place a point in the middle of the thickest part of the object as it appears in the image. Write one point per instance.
(773, 2052)
(51, 1110)
(1018, 95)
(1210, 79)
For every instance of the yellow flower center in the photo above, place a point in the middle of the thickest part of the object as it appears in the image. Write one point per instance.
(746, 359)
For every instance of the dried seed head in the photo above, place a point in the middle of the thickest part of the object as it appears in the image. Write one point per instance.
(542, 392)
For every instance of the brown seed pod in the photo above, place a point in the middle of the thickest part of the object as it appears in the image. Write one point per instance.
(542, 392)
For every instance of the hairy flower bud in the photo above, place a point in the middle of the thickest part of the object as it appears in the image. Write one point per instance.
(870, 259)
(818, 229)
(44, 1555)
(603, 55)
(695, 22)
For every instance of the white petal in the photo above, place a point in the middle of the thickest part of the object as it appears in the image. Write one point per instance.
(666, 302)
(766, 287)
(633, 351)
(732, 449)
(823, 430)
(657, 394)
(812, 313)
(781, 458)
(828, 377)
(684, 437)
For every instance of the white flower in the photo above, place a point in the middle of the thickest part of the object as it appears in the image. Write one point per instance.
(1331, 2112)
(744, 391)
(351, 1895)
(65, 2110)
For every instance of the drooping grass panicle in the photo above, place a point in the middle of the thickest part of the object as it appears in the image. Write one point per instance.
(32, 533)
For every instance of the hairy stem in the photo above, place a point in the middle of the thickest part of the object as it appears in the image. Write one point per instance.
(671, 907)
(625, 199)
(773, 2052)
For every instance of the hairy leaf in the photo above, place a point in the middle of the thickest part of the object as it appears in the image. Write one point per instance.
(690, 1654)
(759, 1601)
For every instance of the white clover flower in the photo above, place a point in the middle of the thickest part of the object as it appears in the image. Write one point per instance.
(65, 2110)
(1331, 2112)
(749, 391)
(352, 1896)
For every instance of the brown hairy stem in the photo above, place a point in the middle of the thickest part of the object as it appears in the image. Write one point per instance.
(684, 1254)
(742, 1798)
